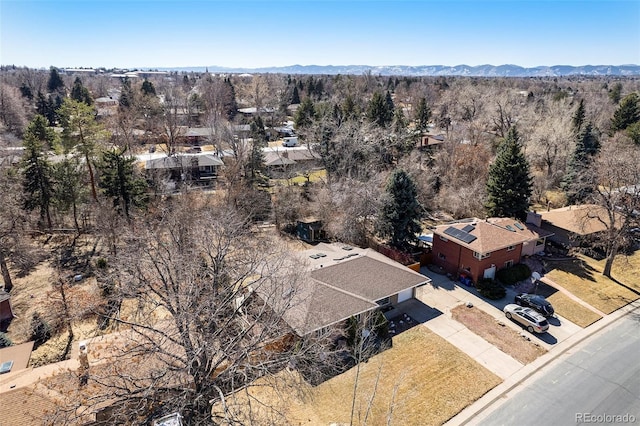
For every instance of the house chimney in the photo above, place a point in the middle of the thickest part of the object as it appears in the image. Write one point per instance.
(534, 219)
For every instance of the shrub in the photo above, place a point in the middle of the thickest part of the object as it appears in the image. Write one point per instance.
(40, 330)
(491, 289)
(5, 342)
(512, 275)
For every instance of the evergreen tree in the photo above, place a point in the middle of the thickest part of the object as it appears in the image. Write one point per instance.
(37, 178)
(401, 212)
(578, 183)
(627, 113)
(256, 157)
(399, 121)
(509, 184)
(378, 110)
(305, 114)
(69, 189)
(126, 99)
(295, 96)
(423, 115)
(230, 104)
(81, 93)
(46, 108)
(39, 127)
(349, 109)
(55, 82)
(147, 88)
(119, 182)
(616, 93)
(81, 132)
(578, 117)
(26, 92)
(633, 132)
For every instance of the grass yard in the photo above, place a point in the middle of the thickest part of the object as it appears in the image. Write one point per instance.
(504, 338)
(573, 311)
(314, 176)
(583, 277)
(422, 380)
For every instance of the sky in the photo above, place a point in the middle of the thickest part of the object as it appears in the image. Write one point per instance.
(263, 33)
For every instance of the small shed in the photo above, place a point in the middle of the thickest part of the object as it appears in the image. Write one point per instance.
(6, 314)
(310, 230)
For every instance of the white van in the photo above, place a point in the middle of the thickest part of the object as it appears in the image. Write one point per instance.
(290, 141)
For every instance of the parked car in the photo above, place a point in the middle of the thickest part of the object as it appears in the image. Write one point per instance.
(531, 319)
(536, 302)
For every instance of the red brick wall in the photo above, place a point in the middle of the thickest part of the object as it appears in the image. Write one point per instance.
(459, 259)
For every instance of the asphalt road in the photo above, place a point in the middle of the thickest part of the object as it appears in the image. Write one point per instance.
(599, 381)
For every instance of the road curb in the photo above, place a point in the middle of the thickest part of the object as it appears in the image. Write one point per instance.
(490, 398)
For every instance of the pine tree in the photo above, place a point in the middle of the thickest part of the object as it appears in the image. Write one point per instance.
(147, 88)
(81, 93)
(401, 212)
(55, 82)
(627, 113)
(378, 110)
(349, 110)
(578, 182)
(509, 184)
(578, 117)
(256, 156)
(69, 189)
(230, 104)
(119, 182)
(39, 127)
(37, 178)
(295, 96)
(305, 114)
(423, 115)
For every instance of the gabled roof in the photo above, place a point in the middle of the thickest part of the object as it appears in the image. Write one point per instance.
(527, 229)
(582, 220)
(345, 281)
(488, 237)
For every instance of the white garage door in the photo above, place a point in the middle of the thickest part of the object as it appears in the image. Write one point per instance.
(405, 295)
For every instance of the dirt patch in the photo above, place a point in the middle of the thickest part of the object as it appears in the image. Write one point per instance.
(504, 338)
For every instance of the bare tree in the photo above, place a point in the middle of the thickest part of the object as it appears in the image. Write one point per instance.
(618, 193)
(200, 332)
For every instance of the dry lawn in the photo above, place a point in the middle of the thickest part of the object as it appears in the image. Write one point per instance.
(504, 338)
(583, 277)
(422, 380)
(573, 311)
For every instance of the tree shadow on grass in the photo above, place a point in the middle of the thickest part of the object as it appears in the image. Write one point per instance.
(574, 266)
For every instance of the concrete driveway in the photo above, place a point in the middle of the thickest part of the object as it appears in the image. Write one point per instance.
(445, 294)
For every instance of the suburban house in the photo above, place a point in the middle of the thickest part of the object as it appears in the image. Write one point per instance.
(199, 168)
(427, 140)
(572, 224)
(345, 282)
(310, 230)
(6, 313)
(477, 248)
(281, 162)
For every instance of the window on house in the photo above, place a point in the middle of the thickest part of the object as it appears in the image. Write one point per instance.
(443, 238)
(441, 256)
(481, 256)
(511, 248)
(508, 264)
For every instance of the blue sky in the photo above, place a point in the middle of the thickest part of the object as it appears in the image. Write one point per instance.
(243, 33)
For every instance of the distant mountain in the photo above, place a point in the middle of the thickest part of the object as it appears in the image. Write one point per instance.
(434, 70)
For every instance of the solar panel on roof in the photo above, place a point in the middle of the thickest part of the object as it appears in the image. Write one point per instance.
(459, 234)
(519, 226)
(468, 228)
(510, 228)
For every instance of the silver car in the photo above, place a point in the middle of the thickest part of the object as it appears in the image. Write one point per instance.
(531, 319)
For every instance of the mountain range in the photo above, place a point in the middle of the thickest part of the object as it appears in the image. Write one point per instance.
(434, 70)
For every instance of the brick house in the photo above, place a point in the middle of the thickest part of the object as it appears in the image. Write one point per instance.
(478, 248)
